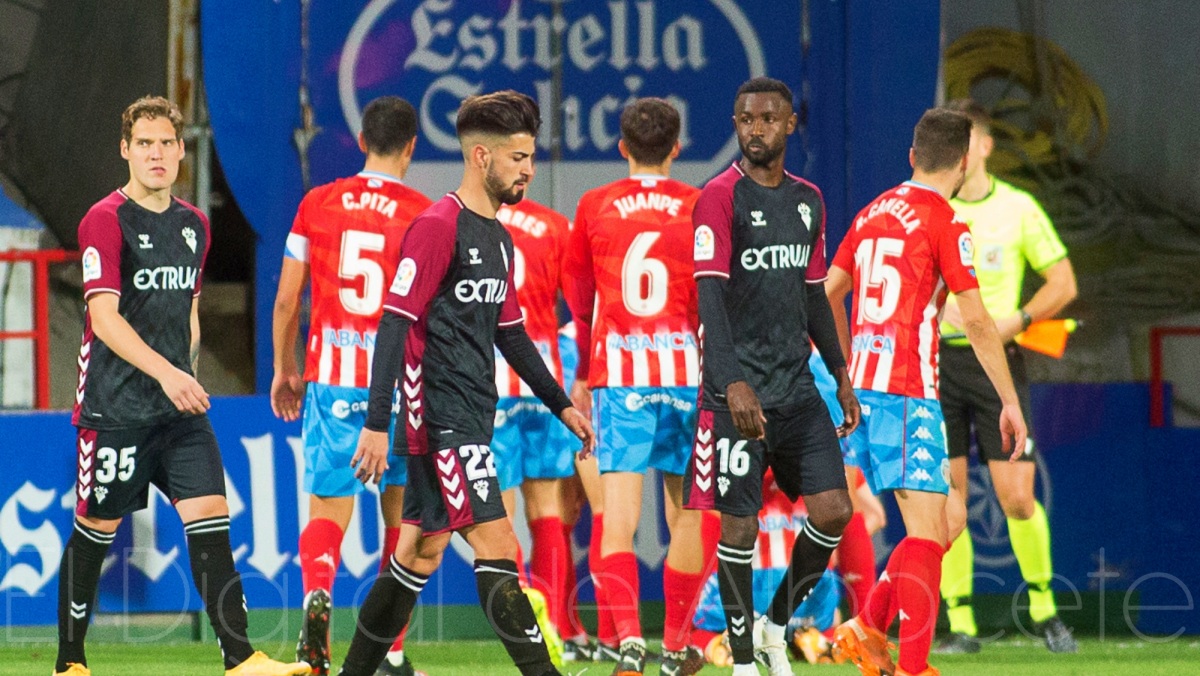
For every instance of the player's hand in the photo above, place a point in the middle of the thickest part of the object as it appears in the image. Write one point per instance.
(747, 413)
(287, 391)
(580, 427)
(581, 398)
(184, 391)
(851, 411)
(370, 460)
(1013, 432)
(952, 315)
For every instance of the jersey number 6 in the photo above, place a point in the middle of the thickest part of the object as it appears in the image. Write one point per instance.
(643, 279)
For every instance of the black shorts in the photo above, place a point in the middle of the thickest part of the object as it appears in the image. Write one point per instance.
(970, 403)
(725, 472)
(115, 468)
(452, 489)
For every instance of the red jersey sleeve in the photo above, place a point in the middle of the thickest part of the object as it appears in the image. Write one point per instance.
(712, 221)
(818, 270)
(955, 253)
(425, 257)
(510, 311)
(101, 241)
(844, 256)
(579, 287)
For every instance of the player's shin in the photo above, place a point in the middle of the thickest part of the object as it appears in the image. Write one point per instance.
(382, 617)
(810, 557)
(917, 597)
(78, 575)
(735, 577)
(220, 586)
(512, 618)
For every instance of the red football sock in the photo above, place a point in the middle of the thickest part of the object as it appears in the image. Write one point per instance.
(570, 600)
(320, 554)
(547, 566)
(916, 591)
(880, 607)
(390, 537)
(856, 559)
(679, 592)
(606, 628)
(621, 588)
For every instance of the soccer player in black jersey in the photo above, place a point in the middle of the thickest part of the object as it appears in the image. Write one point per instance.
(760, 264)
(451, 305)
(139, 410)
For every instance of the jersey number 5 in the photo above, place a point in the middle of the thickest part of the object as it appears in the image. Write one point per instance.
(878, 275)
(354, 265)
(643, 279)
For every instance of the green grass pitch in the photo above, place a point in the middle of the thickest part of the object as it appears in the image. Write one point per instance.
(480, 658)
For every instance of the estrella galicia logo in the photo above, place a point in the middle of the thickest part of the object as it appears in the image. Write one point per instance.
(438, 52)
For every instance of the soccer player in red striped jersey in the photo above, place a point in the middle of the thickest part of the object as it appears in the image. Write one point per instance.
(905, 251)
(634, 302)
(532, 448)
(346, 241)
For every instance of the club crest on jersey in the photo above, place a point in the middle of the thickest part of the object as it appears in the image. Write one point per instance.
(706, 244)
(91, 264)
(756, 218)
(966, 249)
(805, 215)
(475, 259)
(406, 272)
(189, 236)
(145, 242)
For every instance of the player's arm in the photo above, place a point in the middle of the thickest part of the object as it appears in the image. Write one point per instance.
(522, 355)
(579, 290)
(109, 326)
(837, 287)
(287, 387)
(823, 329)
(1054, 295)
(989, 349)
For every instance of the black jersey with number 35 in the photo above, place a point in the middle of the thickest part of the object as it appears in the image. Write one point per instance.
(153, 263)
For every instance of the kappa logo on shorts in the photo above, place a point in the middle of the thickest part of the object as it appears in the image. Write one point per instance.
(922, 434)
(920, 475)
(923, 455)
(923, 413)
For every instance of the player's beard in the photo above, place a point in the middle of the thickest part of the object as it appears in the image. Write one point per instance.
(762, 156)
(501, 191)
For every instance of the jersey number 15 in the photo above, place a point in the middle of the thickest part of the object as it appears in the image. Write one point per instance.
(879, 275)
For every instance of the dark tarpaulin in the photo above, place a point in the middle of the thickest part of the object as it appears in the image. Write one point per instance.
(59, 142)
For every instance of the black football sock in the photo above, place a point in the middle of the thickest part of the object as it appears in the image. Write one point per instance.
(381, 618)
(810, 557)
(511, 616)
(220, 586)
(735, 580)
(78, 576)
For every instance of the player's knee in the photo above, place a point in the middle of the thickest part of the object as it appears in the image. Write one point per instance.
(1020, 507)
(956, 518)
(739, 531)
(832, 518)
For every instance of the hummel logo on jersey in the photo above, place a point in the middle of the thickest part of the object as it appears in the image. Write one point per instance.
(145, 239)
(922, 413)
(488, 290)
(756, 218)
(922, 434)
(475, 259)
(189, 236)
(805, 215)
(923, 455)
(920, 475)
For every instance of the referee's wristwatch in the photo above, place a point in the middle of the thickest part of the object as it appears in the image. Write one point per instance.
(1026, 319)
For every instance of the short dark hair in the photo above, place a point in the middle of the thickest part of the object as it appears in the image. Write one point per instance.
(388, 124)
(760, 85)
(940, 139)
(150, 107)
(502, 113)
(650, 129)
(974, 110)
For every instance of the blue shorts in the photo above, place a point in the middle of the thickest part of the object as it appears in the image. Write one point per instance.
(816, 611)
(568, 353)
(827, 387)
(530, 443)
(641, 427)
(901, 443)
(333, 418)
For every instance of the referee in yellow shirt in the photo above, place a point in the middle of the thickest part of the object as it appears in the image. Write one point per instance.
(1010, 231)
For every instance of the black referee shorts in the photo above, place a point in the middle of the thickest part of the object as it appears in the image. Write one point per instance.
(970, 403)
(725, 472)
(115, 468)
